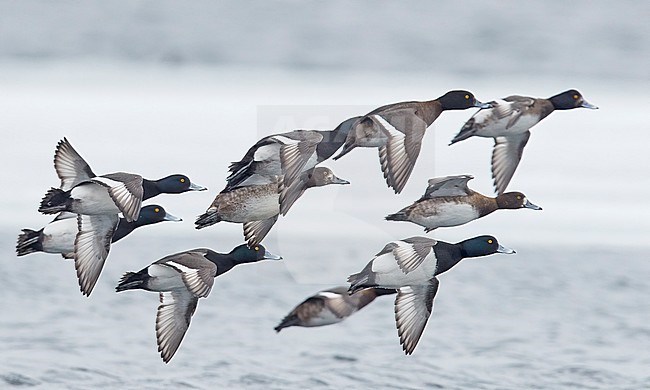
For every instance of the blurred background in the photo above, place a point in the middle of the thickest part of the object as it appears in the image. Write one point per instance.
(162, 87)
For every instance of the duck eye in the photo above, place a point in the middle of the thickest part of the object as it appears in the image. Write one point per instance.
(576, 97)
(466, 97)
(182, 180)
(519, 197)
(490, 241)
(156, 210)
(257, 248)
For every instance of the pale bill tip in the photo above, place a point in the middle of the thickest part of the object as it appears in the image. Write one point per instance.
(270, 256)
(196, 187)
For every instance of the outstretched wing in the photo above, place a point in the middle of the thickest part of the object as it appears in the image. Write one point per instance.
(297, 151)
(172, 320)
(255, 231)
(413, 307)
(91, 247)
(448, 186)
(411, 252)
(126, 191)
(506, 155)
(71, 168)
(405, 131)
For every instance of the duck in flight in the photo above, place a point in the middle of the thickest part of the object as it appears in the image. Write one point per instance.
(509, 122)
(397, 130)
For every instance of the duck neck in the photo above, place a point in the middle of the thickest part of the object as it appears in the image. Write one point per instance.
(150, 189)
(453, 253)
(223, 262)
(490, 205)
(124, 228)
(333, 140)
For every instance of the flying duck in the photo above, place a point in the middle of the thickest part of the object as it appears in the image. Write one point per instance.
(330, 306)
(397, 130)
(410, 266)
(59, 235)
(258, 206)
(508, 122)
(181, 279)
(448, 201)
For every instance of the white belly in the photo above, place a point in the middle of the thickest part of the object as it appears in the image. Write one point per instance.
(164, 278)
(325, 317)
(59, 236)
(253, 207)
(498, 128)
(389, 275)
(261, 208)
(92, 199)
(444, 215)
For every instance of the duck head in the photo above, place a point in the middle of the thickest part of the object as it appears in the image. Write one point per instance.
(460, 100)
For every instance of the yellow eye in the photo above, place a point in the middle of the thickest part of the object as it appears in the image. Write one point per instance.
(156, 210)
(576, 97)
(518, 197)
(257, 248)
(490, 241)
(182, 180)
(466, 97)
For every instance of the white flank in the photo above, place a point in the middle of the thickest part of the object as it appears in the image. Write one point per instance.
(388, 273)
(93, 199)
(325, 317)
(164, 278)
(267, 152)
(447, 214)
(58, 236)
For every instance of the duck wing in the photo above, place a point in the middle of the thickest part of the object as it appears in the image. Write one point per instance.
(265, 149)
(518, 105)
(70, 167)
(397, 156)
(289, 194)
(409, 253)
(448, 186)
(91, 247)
(298, 147)
(255, 231)
(173, 319)
(413, 307)
(506, 155)
(196, 270)
(495, 121)
(126, 191)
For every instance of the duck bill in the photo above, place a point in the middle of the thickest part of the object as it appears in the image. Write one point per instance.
(270, 256)
(531, 206)
(196, 187)
(173, 218)
(588, 105)
(338, 180)
(482, 105)
(507, 251)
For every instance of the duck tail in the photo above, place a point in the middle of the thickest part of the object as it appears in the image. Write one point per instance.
(398, 216)
(465, 132)
(290, 320)
(358, 282)
(208, 218)
(54, 201)
(132, 280)
(28, 242)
